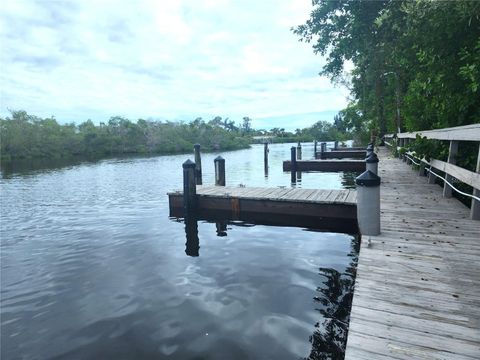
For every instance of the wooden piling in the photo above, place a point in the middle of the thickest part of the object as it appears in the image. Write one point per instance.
(265, 157)
(219, 163)
(189, 187)
(315, 149)
(293, 162)
(299, 151)
(198, 164)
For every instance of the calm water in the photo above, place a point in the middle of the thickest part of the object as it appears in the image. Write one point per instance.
(93, 268)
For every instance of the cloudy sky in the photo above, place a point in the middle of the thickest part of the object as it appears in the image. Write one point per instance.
(164, 59)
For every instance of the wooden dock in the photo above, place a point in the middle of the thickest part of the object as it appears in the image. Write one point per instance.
(341, 154)
(328, 210)
(326, 165)
(417, 290)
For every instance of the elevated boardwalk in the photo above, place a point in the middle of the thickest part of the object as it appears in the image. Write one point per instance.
(329, 210)
(417, 290)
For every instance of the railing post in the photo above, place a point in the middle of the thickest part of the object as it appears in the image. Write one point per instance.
(452, 159)
(431, 177)
(219, 163)
(189, 188)
(299, 151)
(315, 149)
(475, 207)
(405, 143)
(293, 164)
(368, 203)
(421, 170)
(198, 164)
(371, 163)
(402, 142)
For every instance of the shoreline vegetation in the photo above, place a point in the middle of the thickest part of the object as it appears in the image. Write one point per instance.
(25, 136)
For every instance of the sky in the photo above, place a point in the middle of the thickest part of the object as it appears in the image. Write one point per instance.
(164, 59)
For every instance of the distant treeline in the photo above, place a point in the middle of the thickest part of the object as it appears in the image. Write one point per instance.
(27, 136)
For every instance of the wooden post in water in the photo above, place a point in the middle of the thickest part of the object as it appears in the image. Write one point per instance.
(265, 158)
(452, 159)
(315, 149)
(219, 163)
(475, 208)
(335, 145)
(293, 164)
(189, 188)
(299, 151)
(323, 149)
(198, 164)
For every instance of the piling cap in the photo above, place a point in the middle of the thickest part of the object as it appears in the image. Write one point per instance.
(196, 146)
(188, 164)
(372, 158)
(368, 179)
(218, 158)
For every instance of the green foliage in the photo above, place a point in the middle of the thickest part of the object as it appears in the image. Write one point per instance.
(416, 62)
(428, 149)
(27, 136)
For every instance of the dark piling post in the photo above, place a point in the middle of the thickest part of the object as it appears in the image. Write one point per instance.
(189, 188)
(265, 157)
(323, 149)
(299, 151)
(372, 163)
(198, 164)
(335, 145)
(315, 149)
(219, 163)
(293, 164)
(369, 150)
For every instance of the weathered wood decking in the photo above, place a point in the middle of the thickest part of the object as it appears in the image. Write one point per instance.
(329, 210)
(417, 290)
(326, 165)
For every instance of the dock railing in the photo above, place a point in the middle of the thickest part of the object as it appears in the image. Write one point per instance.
(454, 135)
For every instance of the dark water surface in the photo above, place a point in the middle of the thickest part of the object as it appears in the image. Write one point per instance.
(93, 268)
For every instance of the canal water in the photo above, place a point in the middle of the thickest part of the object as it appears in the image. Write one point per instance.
(92, 267)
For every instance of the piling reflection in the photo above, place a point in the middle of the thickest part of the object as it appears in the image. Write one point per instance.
(192, 246)
(221, 228)
(335, 299)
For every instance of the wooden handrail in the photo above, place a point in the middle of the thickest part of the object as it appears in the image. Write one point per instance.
(454, 135)
(458, 133)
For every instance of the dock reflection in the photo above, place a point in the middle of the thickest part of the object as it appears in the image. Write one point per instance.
(192, 246)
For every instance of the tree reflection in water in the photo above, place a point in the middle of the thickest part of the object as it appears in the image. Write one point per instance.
(329, 339)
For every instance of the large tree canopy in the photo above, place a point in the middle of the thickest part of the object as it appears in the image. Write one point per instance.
(416, 62)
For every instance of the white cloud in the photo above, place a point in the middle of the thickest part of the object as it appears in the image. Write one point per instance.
(95, 59)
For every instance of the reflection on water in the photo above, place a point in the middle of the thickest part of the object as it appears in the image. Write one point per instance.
(335, 298)
(192, 246)
(93, 268)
